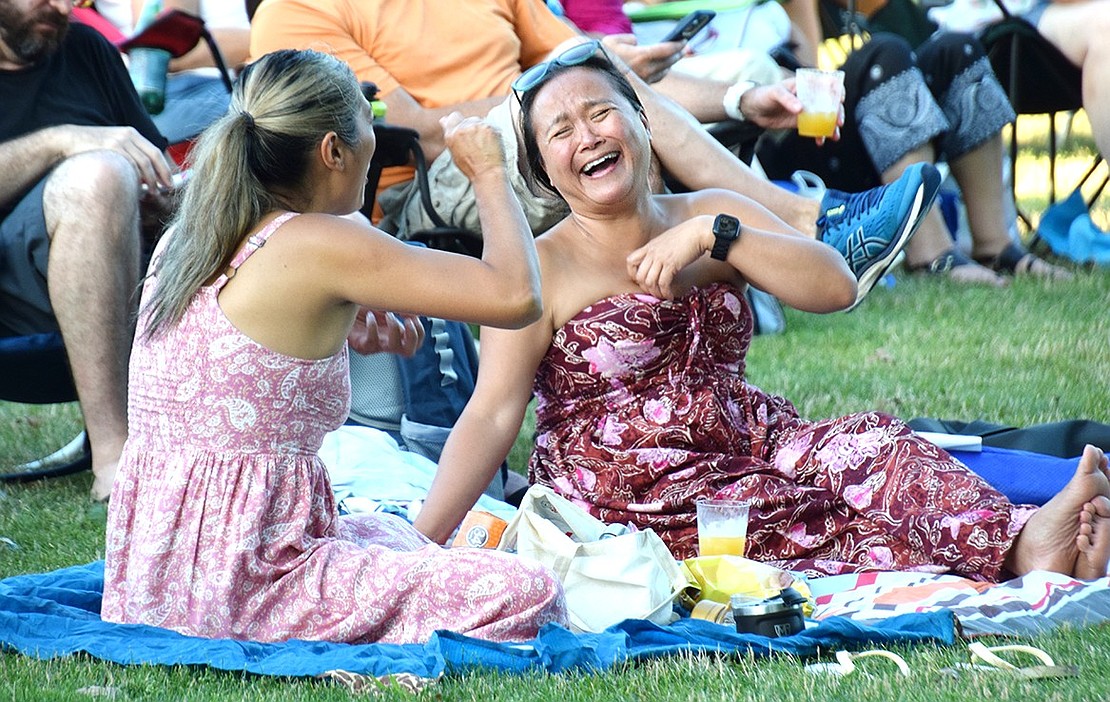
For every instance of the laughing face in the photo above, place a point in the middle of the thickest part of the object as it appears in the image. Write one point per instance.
(593, 142)
(31, 30)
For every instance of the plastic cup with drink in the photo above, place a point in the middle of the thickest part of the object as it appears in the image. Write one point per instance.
(820, 93)
(722, 527)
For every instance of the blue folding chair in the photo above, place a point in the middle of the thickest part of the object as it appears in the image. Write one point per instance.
(35, 370)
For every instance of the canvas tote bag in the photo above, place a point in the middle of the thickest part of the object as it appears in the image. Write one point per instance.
(607, 578)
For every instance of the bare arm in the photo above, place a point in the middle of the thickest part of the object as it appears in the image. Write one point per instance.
(802, 272)
(28, 158)
(501, 289)
(302, 294)
(484, 434)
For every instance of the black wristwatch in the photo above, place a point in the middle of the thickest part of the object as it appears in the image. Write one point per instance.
(726, 229)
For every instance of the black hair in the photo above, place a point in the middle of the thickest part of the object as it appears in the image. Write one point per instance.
(598, 63)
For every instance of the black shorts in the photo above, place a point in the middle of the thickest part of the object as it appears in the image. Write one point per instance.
(896, 100)
(24, 250)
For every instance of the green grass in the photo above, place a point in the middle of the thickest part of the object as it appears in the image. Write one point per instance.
(1032, 353)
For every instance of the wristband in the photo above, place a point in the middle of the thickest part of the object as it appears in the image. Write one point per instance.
(733, 95)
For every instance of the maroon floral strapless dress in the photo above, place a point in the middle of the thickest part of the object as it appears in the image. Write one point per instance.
(642, 408)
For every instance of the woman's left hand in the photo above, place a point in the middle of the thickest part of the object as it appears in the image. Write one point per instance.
(655, 265)
(375, 331)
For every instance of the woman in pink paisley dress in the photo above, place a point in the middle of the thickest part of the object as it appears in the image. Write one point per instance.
(222, 521)
(637, 366)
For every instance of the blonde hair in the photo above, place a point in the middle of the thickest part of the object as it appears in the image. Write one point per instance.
(281, 108)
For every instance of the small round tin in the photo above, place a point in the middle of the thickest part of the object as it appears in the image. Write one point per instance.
(774, 616)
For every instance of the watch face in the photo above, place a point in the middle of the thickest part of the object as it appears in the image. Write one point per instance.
(726, 225)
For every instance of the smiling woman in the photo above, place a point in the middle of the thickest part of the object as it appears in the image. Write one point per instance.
(641, 403)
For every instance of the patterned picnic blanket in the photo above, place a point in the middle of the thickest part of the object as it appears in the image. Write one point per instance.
(1025, 606)
(57, 614)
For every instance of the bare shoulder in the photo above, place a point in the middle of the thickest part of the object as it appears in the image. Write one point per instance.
(317, 231)
(704, 201)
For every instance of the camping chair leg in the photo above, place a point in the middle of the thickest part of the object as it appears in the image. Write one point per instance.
(1052, 158)
(1013, 179)
(74, 457)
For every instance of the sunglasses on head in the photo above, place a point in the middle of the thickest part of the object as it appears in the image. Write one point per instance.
(573, 56)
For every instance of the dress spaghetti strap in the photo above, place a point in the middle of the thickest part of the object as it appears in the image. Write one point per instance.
(253, 243)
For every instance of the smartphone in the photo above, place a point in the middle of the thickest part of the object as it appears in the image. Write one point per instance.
(690, 25)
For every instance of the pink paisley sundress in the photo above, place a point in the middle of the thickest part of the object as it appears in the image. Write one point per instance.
(642, 408)
(222, 522)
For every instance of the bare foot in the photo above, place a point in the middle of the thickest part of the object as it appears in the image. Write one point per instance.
(1069, 535)
(1093, 541)
(103, 478)
(1094, 535)
(1037, 267)
(974, 274)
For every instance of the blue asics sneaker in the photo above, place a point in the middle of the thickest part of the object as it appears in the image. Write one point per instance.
(870, 228)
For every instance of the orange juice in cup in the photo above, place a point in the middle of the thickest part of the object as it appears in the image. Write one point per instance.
(722, 527)
(716, 545)
(820, 93)
(816, 124)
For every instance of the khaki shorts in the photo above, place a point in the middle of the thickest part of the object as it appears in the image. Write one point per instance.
(453, 196)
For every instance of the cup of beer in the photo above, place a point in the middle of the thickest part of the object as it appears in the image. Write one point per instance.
(722, 527)
(820, 93)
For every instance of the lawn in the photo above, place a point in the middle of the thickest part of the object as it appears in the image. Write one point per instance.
(1032, 353)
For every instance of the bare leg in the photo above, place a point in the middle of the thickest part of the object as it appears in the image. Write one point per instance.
(979, 174)
(92, 217)
(694, 157)
(807, 26)
(932, 238)
(1079, 30)
(1055, 538)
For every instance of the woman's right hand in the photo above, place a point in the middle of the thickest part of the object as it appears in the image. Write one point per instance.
(475, 144)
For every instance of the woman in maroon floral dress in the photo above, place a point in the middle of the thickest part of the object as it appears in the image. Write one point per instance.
(638, 369)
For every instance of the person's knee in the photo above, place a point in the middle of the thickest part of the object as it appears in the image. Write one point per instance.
(98, 188)
(954, 50)
(890, 52)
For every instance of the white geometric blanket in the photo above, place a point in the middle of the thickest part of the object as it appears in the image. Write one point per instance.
(1025, 606)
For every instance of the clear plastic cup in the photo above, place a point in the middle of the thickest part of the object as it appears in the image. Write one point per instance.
(722, 527)
(820, 93)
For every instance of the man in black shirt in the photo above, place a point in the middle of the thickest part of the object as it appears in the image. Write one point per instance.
(81, 163)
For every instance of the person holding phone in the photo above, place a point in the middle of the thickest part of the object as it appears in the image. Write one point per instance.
(732, 44)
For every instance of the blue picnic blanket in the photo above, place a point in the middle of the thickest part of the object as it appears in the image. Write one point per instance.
(57, 614)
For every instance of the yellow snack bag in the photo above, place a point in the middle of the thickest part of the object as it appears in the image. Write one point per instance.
(717, 578)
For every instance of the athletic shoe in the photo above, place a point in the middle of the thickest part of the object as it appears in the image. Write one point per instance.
(871, 228)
